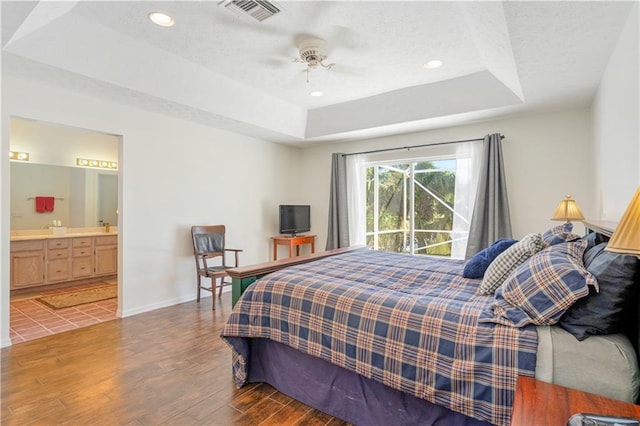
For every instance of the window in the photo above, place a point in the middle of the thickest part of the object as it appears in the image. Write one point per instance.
(410, 206)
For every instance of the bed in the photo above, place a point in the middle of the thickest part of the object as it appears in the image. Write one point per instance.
(383, 338)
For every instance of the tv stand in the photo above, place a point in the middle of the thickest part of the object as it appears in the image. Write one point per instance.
(293, 241)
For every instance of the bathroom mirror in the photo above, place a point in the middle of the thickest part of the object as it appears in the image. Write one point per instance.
(82, 197)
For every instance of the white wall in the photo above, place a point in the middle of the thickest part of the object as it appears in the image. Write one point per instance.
(547, 156)
(617, 126)
(173, 174)
(48, 143)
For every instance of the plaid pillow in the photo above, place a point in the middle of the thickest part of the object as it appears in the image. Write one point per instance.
(540, 290)
(508, 261)
(559, 234)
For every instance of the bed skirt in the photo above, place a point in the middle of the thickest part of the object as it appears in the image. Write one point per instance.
(339, 392)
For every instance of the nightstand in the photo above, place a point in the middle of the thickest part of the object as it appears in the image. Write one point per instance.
(540, 403)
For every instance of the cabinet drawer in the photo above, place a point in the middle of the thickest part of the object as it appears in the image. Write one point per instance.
(57, 254)
(82, 267)
(58, 270)
(27, 245)
(56, 243)
(82, 251)
(110, 240)
(83, 242)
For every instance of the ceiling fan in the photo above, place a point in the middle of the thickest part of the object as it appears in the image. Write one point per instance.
(312, 52)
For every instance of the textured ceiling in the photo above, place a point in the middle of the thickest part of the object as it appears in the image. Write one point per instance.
(228, 71)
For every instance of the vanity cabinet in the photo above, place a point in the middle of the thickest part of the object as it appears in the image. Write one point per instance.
(106, 255)
(37, 262)
(27, 263)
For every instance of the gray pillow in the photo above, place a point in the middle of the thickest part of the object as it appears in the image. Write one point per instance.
(508, 261)
(613, 308)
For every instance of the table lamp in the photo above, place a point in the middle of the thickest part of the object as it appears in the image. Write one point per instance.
(626, 237)
(567, 210)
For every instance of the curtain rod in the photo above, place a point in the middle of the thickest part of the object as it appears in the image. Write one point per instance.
(415, 146)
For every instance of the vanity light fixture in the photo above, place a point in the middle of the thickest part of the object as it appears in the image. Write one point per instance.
(433, 64)
(161, 19)
(100, 164)
(18, 156)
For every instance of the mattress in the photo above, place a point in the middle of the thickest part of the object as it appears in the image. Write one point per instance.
(605, 365)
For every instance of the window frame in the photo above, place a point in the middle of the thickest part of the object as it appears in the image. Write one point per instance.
(411, 233)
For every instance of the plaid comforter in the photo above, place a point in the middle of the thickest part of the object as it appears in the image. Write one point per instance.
(409, 322)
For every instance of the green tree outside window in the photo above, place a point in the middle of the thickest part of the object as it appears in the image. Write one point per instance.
(389, 214)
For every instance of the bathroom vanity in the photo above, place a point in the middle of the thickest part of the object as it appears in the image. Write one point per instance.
(40, 258)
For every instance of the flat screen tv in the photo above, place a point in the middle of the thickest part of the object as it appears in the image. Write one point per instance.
(294, 219)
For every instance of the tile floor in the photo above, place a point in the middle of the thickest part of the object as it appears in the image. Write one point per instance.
(30, 319)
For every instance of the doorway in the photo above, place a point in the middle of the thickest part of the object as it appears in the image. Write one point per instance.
(85, 197)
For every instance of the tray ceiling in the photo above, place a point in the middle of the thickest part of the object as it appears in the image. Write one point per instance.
(230, 71)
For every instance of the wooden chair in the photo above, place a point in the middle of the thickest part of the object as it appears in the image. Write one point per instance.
(209, 247)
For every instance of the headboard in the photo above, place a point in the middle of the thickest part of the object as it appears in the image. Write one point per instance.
(604, 227)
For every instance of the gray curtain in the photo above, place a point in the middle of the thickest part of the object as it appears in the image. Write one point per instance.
(338, 230)
(490, 220)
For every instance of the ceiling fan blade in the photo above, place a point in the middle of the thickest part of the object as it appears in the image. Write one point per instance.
(303, 37)
(346, 70)
(274, 62)
(342, 38)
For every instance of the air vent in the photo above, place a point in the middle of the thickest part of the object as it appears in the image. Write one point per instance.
(256, 9)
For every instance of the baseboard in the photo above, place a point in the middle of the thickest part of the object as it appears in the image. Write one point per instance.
(164, 304)
(153, 306)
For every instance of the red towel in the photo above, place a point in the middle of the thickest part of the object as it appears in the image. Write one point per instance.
(44, 204)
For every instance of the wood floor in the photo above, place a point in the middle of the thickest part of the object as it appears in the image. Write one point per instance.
(168, 367)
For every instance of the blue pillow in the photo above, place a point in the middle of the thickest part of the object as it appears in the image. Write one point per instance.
(593, 239)
(478, 264)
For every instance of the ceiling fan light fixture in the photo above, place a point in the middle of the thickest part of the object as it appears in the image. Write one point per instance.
(161, 19)
(311, 52)
(433, 64)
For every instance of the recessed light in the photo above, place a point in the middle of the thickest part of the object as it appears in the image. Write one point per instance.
(316, 93)
(161, 19)
(435, 63)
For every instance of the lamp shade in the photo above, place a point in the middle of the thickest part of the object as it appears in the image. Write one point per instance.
(567, 210)
(626, 238)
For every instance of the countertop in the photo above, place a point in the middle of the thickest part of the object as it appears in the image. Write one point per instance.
(43, 234)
